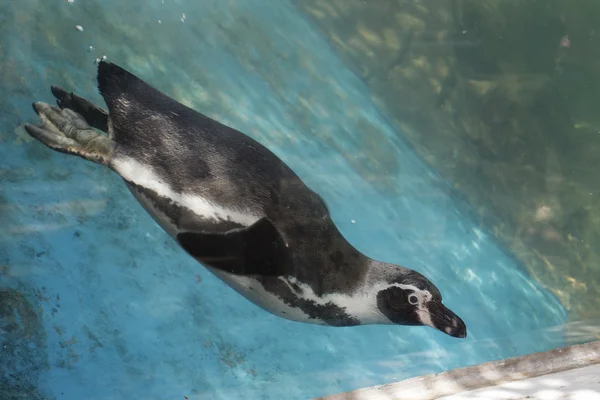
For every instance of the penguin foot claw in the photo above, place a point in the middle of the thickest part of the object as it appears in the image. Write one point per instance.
(67, 132)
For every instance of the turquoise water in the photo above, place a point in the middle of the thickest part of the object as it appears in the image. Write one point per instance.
(124, 313)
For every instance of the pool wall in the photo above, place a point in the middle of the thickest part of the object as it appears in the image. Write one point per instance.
(567, 373)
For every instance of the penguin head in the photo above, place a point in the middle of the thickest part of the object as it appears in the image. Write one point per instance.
(413, 300)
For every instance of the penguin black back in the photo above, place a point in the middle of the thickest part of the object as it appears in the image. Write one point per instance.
(170, 135)
(199, 155)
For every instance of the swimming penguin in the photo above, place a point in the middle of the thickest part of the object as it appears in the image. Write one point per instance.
(236, 208)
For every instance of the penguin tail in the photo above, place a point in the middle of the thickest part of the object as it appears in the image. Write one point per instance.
(120, 89)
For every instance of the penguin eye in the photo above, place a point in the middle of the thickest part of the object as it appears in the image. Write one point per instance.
(413, 299)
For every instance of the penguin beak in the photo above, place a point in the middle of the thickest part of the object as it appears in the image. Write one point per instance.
(440, 317)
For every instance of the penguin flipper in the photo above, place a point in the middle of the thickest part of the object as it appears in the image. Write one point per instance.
(95, 116)
(257, 249)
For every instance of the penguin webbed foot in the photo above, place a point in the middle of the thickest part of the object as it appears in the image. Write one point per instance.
(95, 116)
(68, 132)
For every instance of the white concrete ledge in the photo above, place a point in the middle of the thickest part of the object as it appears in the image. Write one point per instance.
(496, 375)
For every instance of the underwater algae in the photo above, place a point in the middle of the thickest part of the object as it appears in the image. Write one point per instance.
(22, 346)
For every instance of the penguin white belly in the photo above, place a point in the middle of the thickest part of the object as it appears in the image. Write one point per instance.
(158, 215)
(359, 305)
(252, 290)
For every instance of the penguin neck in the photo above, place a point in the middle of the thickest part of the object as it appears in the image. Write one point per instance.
(361, 303)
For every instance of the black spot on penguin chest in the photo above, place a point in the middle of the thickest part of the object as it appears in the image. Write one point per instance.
(290, 293)
(184, 173)
(339, 260)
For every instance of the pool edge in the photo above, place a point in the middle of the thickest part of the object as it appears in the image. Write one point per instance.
(433, 386)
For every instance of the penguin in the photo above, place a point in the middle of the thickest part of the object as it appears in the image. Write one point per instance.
(236, 208)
